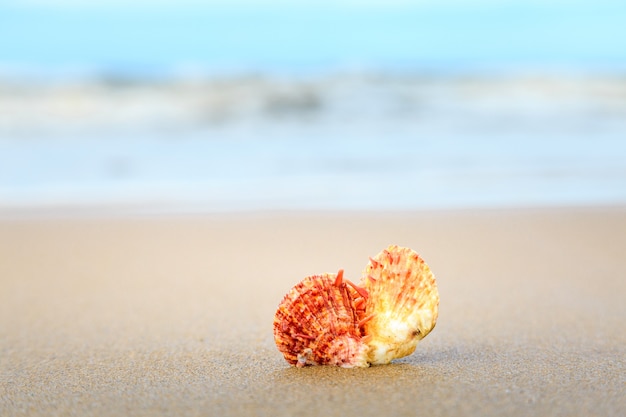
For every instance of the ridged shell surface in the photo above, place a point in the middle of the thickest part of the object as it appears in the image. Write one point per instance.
(317, 324)
(403, 303)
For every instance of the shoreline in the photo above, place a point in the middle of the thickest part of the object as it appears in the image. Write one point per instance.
(181, 211)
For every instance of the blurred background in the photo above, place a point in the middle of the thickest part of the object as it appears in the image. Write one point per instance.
(216, 105)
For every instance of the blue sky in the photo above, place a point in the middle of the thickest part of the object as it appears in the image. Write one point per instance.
(161, 35)
(122, 6)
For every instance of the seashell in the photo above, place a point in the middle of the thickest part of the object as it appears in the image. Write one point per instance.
(327, 320)
(402, 306)
(317, 323)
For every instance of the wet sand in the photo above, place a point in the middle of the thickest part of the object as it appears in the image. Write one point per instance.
(113, 315)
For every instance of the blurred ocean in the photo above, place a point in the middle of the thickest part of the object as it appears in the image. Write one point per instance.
(208, 108)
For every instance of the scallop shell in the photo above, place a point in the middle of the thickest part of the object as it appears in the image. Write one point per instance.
(326, 320)
(317, 323)
(402, 306)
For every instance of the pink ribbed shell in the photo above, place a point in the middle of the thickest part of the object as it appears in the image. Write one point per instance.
(317, 324)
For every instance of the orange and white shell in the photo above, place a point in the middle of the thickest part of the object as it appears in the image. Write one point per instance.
(403, 303)
(317, 324)
(326, 320)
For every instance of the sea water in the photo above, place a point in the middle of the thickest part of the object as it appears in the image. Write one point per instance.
(245, 111)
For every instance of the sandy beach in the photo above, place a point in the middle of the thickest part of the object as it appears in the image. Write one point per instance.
(172, 315)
